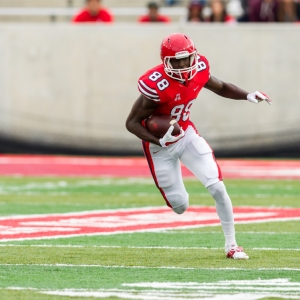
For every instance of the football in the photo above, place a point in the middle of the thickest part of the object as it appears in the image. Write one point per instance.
(158, 125)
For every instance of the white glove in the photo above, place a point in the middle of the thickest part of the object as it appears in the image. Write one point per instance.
(257, 97)
(168, 138)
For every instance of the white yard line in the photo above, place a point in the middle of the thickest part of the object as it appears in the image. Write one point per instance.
(204, 295)
(222, 290)
(220, 232)
(142, 247)
(146, 267)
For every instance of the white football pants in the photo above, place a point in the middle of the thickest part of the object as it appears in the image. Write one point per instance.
(194, 152)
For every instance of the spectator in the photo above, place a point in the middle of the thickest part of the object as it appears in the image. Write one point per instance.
(195, 11)
(245, 15)
(215, 11)
(218, 12)
(263, 11)
(93, 12)
(287, 11)
(171, 2)
(234, 8)
(298, 9)
(153, 14)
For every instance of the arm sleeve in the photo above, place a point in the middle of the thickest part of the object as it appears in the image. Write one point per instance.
(148, 89)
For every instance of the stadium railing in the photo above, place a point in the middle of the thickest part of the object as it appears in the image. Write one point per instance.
(70, 11)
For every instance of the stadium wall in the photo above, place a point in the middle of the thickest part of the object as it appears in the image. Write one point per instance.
(68, 88)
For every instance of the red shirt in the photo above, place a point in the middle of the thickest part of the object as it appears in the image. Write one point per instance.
(160, 18)
(103, 16)
(173, 97)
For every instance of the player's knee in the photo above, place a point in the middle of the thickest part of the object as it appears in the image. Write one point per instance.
(181, 209)
(179, 202)
(218, 190)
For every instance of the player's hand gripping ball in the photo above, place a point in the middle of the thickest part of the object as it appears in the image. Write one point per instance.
(158, 125)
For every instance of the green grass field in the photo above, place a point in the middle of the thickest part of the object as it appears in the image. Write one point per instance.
(170, 264)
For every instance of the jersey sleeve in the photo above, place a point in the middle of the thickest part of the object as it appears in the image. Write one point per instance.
(148, 88)
(203, 68)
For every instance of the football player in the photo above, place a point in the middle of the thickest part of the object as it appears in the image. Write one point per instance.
(171, 89)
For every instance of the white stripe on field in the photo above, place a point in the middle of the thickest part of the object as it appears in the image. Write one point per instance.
(171, 292)
(177, 231)
(205, 295)
(256, 284)
(146, 267)
(142, 247)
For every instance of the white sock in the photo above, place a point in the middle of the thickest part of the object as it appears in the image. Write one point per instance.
(224, 211)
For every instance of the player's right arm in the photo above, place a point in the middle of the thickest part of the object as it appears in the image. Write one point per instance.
(142, 109)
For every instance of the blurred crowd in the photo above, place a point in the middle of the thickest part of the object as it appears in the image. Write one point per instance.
(226, 11)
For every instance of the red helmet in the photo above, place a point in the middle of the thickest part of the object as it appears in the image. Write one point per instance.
(178, 45)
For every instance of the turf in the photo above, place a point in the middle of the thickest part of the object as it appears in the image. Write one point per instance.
(51, 195)
(147, 257)
(31, 268)
(187, 238)
(100, 277)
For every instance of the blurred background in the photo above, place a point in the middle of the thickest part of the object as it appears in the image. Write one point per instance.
(69, 71)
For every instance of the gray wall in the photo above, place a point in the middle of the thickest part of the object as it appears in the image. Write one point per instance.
(74, 85)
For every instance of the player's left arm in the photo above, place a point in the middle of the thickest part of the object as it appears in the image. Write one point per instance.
(231, 91)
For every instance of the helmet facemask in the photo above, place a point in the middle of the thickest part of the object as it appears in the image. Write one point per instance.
(185, 74)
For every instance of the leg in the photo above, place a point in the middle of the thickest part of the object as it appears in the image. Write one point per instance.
(224, 210)
(225, 213)
(166, 173)
(199, 159)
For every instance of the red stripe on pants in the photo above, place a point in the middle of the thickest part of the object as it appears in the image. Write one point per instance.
(219, 169)
(146, 147)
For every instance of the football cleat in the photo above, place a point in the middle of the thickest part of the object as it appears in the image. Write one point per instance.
(236, 252)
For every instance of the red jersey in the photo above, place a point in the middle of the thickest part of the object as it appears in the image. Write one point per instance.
(160, 18)
(174, 98)
(103, 16)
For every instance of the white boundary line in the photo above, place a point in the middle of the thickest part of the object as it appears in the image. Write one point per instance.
(146, 267)
(141, 247)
